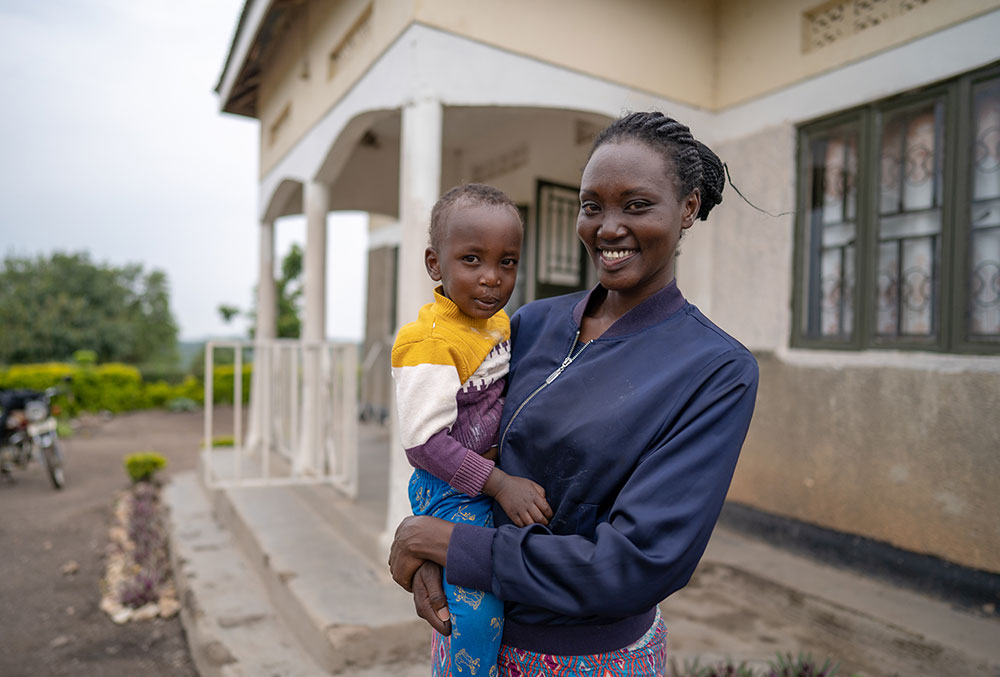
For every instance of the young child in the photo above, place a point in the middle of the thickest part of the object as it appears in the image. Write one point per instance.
(449, 367)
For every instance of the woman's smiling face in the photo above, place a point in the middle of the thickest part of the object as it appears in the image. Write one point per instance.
(631, 217)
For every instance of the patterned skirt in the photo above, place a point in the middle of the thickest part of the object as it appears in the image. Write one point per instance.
(647, 657)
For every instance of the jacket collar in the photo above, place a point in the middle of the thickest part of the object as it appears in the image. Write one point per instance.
(652, 310)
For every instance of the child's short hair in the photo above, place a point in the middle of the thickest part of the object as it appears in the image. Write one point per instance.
(470, 193)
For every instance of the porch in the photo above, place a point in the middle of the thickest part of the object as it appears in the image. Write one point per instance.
(277, 580)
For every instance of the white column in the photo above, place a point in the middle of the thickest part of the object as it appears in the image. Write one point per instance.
(265, 330)
(267, 294)
(317, 204)
(419, 188)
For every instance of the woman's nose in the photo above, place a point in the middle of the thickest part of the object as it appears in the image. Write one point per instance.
(610, 229)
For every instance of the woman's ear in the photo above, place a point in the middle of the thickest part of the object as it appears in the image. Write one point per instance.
(690, 206)
(432, 264)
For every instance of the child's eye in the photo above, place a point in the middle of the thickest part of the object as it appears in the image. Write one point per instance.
(509, 262)
(470, 258)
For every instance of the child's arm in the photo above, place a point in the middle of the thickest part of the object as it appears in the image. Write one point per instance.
(522, 500)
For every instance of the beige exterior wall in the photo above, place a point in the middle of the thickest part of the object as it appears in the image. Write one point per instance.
(905, 456)
(761, 47)
(707, 54)
(661, 46)
(897, 447)
(751, 271)
(301, 81)
(297, 86)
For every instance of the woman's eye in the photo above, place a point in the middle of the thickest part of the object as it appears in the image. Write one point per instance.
(636, 205)
(589, 208)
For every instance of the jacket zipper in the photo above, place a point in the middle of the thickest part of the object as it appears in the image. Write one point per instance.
(549, 379)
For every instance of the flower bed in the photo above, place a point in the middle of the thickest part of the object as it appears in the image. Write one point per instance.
(137, 584)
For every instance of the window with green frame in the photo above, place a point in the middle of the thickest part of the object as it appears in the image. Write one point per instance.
(898, 228)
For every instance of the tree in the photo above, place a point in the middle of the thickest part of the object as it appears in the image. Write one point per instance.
(51, 307)
(288, 288)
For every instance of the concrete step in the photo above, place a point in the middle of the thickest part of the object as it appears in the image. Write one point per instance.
(360, 521)
(231, 627)
(345, 612)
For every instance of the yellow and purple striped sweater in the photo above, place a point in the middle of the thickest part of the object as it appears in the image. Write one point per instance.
(449, 371)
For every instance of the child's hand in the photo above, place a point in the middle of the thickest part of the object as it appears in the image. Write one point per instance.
(492, 454)
(522, 500)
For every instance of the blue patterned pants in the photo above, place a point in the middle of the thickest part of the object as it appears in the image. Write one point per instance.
(476, 616)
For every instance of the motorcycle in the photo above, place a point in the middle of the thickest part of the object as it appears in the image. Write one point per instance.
(28, 429)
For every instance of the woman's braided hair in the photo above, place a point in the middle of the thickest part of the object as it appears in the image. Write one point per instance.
(694, 163)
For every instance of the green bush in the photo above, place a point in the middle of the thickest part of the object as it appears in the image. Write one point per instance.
(222, 383)
(161, 372)
(85, 357)
(142, 465)
(40, 377)
(119, 387)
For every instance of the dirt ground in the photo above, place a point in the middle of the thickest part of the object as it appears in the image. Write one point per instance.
(50, 623)
(50, 619)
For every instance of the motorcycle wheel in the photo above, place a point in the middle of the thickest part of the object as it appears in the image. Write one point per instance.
(53, 465)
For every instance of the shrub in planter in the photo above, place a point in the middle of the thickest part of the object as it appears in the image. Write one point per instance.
(141, 466)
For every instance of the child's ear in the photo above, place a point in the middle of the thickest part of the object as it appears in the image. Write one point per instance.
(432, 265)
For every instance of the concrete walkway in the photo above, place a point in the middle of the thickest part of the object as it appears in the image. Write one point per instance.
(273, 587)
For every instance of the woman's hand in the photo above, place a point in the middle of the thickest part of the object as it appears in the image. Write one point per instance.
(418, 539)
(429, 598)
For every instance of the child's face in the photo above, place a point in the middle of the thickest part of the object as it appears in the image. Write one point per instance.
(476, 260)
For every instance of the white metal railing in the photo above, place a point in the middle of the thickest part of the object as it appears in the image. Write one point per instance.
(303, 421)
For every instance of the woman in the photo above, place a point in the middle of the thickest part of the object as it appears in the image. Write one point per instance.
(629, 407)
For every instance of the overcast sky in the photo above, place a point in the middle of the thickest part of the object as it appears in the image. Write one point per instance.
(111, 142)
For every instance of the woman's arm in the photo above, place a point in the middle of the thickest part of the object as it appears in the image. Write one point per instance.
(418, 539)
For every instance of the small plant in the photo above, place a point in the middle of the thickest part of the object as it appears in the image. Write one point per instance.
(801, 666)
(223, 441)
(783, 666)
(723, 669)
(141, 466)
(181, 404)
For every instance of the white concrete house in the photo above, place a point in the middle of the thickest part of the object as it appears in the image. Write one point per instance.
(871, 300)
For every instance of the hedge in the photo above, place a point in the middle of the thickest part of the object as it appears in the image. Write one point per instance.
(118, 387)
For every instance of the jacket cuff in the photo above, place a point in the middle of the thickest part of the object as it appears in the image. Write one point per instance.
(469, 560)
(470, 478)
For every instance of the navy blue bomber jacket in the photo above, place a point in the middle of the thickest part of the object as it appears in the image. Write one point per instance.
(634, 436)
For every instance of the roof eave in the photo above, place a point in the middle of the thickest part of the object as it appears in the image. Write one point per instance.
(236, 85)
